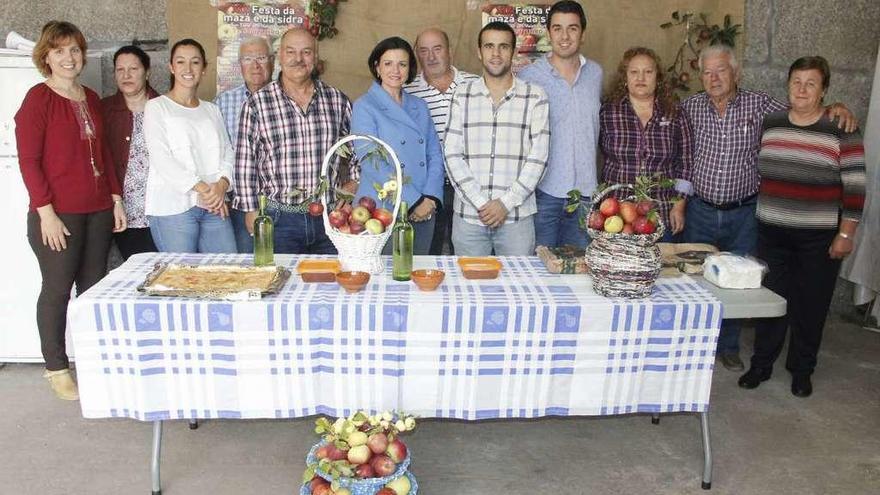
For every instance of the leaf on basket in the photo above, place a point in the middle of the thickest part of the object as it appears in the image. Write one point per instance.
(309, 473)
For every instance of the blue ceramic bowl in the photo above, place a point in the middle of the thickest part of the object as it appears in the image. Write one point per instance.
(414, 490)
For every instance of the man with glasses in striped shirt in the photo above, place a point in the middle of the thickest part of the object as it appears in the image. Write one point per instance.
(496, 145)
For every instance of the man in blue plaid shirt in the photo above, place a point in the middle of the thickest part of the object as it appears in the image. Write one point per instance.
(496, 145)
(255, 62)
(286, 129)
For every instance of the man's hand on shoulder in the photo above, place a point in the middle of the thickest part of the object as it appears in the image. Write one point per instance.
(845, 118)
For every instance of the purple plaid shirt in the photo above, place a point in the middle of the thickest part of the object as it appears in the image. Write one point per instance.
(281, 148)
(726, 147)
(665, 145)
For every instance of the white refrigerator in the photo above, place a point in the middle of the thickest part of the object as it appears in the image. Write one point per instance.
(20, 282)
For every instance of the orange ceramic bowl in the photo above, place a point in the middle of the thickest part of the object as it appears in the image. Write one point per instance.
(428, 280)
(352, 281)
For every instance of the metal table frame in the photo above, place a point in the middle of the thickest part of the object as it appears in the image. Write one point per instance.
(750, 303)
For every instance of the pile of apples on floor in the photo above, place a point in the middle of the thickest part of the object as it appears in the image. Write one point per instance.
(625, 217)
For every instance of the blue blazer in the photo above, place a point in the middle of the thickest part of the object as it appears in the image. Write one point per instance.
(408, 129)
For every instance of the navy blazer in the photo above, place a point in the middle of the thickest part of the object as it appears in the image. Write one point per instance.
(408, 129)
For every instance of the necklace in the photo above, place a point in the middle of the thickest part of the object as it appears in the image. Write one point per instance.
(88, 129)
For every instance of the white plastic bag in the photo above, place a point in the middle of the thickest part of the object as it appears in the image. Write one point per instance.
(732, 271)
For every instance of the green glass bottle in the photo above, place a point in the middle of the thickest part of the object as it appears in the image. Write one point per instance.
(264, 242)
(402, 246)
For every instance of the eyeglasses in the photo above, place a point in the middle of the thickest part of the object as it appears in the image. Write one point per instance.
(247, 59)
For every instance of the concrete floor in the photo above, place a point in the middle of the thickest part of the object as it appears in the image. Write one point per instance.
(765, 441)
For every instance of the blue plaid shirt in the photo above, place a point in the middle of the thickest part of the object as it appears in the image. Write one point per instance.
(230, 103)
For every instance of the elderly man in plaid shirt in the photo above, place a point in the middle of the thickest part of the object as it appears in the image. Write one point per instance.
(727, 125)
(496, 147)
(255, 63)
(285, 130)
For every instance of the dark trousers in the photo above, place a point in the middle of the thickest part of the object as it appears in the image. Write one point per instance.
(733, 230)
(299, 233)
(133, 241)
(802, 273)
(83, 262)
(443, 224)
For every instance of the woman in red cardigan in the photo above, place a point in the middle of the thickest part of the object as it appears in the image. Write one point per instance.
(123, 114)
(75, 198)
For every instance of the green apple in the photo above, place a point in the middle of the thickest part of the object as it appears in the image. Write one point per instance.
(357, 438)
(374, 226)
(401, 486)
(613, 224)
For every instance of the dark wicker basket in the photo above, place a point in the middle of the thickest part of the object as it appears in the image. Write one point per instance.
(623, 265)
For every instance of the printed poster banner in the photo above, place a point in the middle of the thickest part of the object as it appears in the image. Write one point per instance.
(528, 21)
(238, 21)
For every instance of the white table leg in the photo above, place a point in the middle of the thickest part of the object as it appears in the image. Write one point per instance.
(707, 451)
(157, 452)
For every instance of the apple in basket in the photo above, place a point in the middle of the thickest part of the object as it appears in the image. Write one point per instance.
(613, 224)
(359, 454)
(357, 438)
(319, 485)
(644, 206)
(628, 229)
(401, 486)
(378, 443)
(364, 471)
(368, 203)
(383, 465)
(643, 226)
(355, 227)
(609, 207)
(337, 218)
(596, 221)
(387, 491)
(396, 450)
(628, 211)
(374, 226)
(342, 491)
(361, 214)
(383, 216)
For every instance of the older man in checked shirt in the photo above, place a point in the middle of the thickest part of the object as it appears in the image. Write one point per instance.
(496, 148)
(726, 122)
(285, 130)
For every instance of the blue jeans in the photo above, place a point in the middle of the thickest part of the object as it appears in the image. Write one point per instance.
(511, 239)
(555, 227)
(243, 239)
(734, 230)
(299, 233)
(194, 231)
(423, 235)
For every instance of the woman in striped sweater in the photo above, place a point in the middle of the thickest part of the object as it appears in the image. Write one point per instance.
(809, 205)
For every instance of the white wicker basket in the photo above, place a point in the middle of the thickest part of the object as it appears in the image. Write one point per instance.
(361, 252)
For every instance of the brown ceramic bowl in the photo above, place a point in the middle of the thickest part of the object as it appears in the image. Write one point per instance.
(352, 281)
(428, 280)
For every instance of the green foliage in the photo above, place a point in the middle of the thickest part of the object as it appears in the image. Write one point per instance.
(698, 33)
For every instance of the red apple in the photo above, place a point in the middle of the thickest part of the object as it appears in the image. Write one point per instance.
(627, 229)
(384, 216)
(361, 214)
(368, 203)
(596, 221)
(387, 491)
(654, 217)
(383, 465)
(364, 471)
(628, 211)
(323, 452)
(334, 453)
(396, 450)
(609, 207)
(337, 218)
(613, 224)
(344, 228)
(319, 485)
(374, 226)
(644, 206)
(359, 454)
(346, 208)
(378, 442)
(643, 226)
(355, 227)
(315, 209)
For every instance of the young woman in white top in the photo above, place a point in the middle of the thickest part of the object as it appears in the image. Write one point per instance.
(191, 162)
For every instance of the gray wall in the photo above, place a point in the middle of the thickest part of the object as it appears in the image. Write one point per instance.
(846, 32)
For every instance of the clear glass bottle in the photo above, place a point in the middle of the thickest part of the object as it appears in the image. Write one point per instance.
(264, 242)
(402, 245)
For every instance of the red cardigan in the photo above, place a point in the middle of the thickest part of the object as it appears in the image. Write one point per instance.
(54, 157)
(119, 123)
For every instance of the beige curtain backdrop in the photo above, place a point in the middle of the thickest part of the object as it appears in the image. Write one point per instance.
(612, 27)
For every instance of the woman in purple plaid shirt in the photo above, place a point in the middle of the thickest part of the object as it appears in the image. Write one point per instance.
(643, 131)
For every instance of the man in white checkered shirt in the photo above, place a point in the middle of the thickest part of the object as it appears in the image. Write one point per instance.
(496, 145)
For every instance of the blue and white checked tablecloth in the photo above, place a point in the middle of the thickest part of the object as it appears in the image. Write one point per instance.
(527, 344)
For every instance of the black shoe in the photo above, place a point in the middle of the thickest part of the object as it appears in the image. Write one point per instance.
(754, 377)
(731, 361)
(801, 386)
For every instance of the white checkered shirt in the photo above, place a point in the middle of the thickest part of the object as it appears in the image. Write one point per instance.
(497, 152)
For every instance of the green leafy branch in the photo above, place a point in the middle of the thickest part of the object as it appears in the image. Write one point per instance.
(698, 33)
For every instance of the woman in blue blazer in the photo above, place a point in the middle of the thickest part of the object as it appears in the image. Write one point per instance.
(403, 121)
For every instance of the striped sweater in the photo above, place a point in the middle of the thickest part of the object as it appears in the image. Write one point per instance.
(810, 176)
